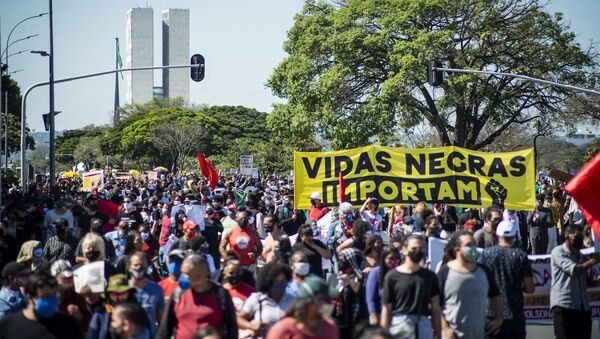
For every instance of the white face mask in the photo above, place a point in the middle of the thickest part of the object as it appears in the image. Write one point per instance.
(301, 268)
(127, 205)
(326, 310)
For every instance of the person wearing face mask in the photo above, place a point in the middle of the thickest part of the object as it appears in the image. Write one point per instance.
(271, 227)
(128, 212)
(411, 307)
(270, 302)
(569, 301)
(310, 316)
(486, 236)
(118, 292)
(212, 232)
(40, 318)
(350, 307)
(540, 220)
(465, 288)
(59, 211)
(232, 282)
(62, 245)
(96, 227)
(32, 254)
(190, 231)
(513, 274)
(300, 270)
(71, 303)
(118, 237)
(148, 293)
(149, 243)
(170, 283)
(128, 321)
(243, 240)
(14, 276)
(390, 259)
(198, 303)
(314, 250)
(91, 212)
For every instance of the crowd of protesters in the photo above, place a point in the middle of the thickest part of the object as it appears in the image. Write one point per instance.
(239, 261)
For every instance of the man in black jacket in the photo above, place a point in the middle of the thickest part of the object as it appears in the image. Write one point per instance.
(540, 220)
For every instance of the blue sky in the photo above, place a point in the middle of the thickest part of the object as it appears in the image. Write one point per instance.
(241, 40)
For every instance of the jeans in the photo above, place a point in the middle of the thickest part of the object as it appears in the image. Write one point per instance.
(551, 238)
(539, 240)
(510, 329)
(403, 326)
(570, 323)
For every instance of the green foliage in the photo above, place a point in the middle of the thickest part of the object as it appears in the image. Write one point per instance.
(69, 140)
(14, 117)
(355, 69)
(269, 157)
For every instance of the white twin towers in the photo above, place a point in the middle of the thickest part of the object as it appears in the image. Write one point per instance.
(140, 53)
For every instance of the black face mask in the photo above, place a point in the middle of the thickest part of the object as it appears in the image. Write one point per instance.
(415, 255)
(93, 207)
(92, 255)
(578, 242)
(496, 222)
(233, 279)
(180, 221)
(61, 232)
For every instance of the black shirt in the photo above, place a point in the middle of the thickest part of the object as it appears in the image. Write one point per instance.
(86, 219)
(410, 293)
(313, 257)
(58, 327)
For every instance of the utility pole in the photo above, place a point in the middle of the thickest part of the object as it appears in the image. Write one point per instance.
(116, 114)
(51, 87)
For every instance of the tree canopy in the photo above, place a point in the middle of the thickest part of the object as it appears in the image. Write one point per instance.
(355, 70)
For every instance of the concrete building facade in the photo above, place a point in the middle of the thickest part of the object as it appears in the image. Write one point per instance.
(139, 53)
(176, 51)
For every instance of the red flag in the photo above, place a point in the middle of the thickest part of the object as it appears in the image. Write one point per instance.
(342, 192)
(213, 178)
(203, 165)
(585, 189)
(110, 209)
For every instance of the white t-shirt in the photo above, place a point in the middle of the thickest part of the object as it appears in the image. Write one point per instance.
(374, 220)
(265, 309)
(52, 216)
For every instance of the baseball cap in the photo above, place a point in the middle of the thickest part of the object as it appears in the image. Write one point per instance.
(61, 267)
(314, 286)
(15, 269)
(315, 195)
(178, 253)
(118, 283)
(189, 224)
(506, 229)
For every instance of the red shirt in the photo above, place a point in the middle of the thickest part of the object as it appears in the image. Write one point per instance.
(239, 294)
(317, 213)
(168, 287)
(195, 311)
(242, 242)
(164, 230)
(286, 328)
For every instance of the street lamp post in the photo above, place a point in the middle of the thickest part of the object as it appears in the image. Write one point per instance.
(51, 93)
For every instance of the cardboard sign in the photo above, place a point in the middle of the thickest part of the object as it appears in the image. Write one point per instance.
(246, 162)
(92, 180)
(560, 175)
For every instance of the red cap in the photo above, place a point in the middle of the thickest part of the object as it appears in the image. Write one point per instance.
(188, 224)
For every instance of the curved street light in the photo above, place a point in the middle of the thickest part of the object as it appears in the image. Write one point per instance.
(14, 42)
(16, 71)
(17, 25)
(19, 52)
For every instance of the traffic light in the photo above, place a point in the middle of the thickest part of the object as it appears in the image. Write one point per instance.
(434, 77)
(197, 73)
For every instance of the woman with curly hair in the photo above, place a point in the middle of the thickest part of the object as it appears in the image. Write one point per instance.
(350, 307)
(269, 304)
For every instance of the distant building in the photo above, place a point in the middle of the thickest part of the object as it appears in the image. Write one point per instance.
(176, 51)
(580, 139)
(139, 53)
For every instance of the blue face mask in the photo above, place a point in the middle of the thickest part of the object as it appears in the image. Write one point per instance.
(184, 282)
(46, 307)
(349, 218)
(174, 268)
(279, 289)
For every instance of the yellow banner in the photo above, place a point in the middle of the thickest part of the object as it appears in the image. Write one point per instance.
(450, 175)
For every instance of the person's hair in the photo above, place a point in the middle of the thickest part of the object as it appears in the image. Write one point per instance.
(375, 202)
(130, 242)
(359, 228)
(490, 210)
(274, 218)
(285, 248)
(294, 256)
(430, 219)
(97, 241)
(299, 309)
(397, 238)
(366, 331)
(454, 242)
(207, 331)
(572, 228)
(410, 237)
(196, 260)
(382, 267)
(370, 243)
(346, 208)
(143, 256)
(419, 207)
(268, 273)
(305, 230)
(39, 280)
(132, 312)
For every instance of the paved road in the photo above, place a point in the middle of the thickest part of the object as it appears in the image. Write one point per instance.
(546, 332)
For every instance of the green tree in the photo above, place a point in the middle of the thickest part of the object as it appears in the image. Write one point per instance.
(13, 117)
(70, 139)
(178, 141)
(39, 158)
(88, 150)
(355, 68)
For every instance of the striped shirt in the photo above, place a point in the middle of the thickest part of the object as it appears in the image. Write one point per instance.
(568, 289)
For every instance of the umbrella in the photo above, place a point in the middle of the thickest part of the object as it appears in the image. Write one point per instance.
(135, 172)
(71, 174)
(161, 169)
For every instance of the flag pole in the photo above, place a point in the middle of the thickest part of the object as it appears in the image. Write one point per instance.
(116, 116)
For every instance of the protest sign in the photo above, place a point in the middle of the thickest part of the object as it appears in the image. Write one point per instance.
(91, 275)
(246, 162)
(152, 175)
(450, 175)
(560, 175)
(92, 180)
(537, 304)
(255, 173)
